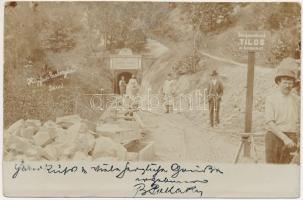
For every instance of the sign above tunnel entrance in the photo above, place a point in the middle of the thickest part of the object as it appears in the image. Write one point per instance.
(125, 60)
(118, 63)
(252, 40)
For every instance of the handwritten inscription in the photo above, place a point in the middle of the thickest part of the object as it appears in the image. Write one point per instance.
(39, 81)
(150, 180)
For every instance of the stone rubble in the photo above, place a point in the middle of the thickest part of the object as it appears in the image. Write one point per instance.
(68, 138)
(106, 147)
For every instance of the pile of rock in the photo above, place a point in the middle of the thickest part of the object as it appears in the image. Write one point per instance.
(69, 138)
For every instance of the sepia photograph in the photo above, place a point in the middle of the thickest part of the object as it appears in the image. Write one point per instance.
(134, 83)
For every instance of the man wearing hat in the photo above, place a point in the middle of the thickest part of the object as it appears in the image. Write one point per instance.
(282, 117)
(214, 94)
(169, 92)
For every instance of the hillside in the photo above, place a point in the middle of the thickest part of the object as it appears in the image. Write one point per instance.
(184, 39)
(218, 51)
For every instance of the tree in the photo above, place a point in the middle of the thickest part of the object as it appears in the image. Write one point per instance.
(58, 39)
(121, 24)
(209, 17)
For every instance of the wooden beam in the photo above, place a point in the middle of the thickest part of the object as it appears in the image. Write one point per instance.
(249, 100)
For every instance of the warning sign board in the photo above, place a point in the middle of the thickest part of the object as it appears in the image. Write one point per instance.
(252, 40)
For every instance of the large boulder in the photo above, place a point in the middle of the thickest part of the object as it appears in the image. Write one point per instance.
(44, 137)
(67, 141)
(106, 147)
(67, 121)
(23, 146)
(28, 132)
(50, 152)
(77, 128)
(16, 126)
(85, 142)
(33, 122)
(18, 144)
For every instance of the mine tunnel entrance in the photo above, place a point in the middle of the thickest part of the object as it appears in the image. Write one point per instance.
(127, 76)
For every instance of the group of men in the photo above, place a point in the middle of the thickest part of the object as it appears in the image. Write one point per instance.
(129, 91)
(131, 88)
(214, 95)
(282, 111)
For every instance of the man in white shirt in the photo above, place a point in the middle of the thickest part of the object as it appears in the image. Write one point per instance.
(282, 113)
(132, 86)
(169, 92)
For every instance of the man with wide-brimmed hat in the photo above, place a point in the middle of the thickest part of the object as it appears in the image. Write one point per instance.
(214, 94)
(282, 116)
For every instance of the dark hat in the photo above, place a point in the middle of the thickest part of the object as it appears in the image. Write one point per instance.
(214, 73)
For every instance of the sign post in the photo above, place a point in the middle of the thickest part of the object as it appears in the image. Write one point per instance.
(250, 41)
(249, 99)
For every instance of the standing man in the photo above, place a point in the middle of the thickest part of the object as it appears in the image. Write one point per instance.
(214, 94)
(282, 117)
(132, 87)
(122, 86)
(169, 92)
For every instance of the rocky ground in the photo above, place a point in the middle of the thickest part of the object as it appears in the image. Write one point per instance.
(183, 135)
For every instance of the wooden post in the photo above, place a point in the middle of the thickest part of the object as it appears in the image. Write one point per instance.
(249, 100)
(114, 81)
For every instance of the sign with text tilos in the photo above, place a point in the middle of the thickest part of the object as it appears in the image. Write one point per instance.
(252, 40)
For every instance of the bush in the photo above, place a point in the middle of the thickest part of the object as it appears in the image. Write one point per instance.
(189, 64)
(210, 17)
(282, 47)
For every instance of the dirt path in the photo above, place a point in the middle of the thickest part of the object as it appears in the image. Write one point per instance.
(229, 61)
(187, 137)
(179, 139)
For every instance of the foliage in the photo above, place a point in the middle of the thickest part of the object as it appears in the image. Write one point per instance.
(60, 34)
(285, 15)
(121, 24)
(58, 39)
(283, 46)
(282, 20)
(210, 17)
(188, 64)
